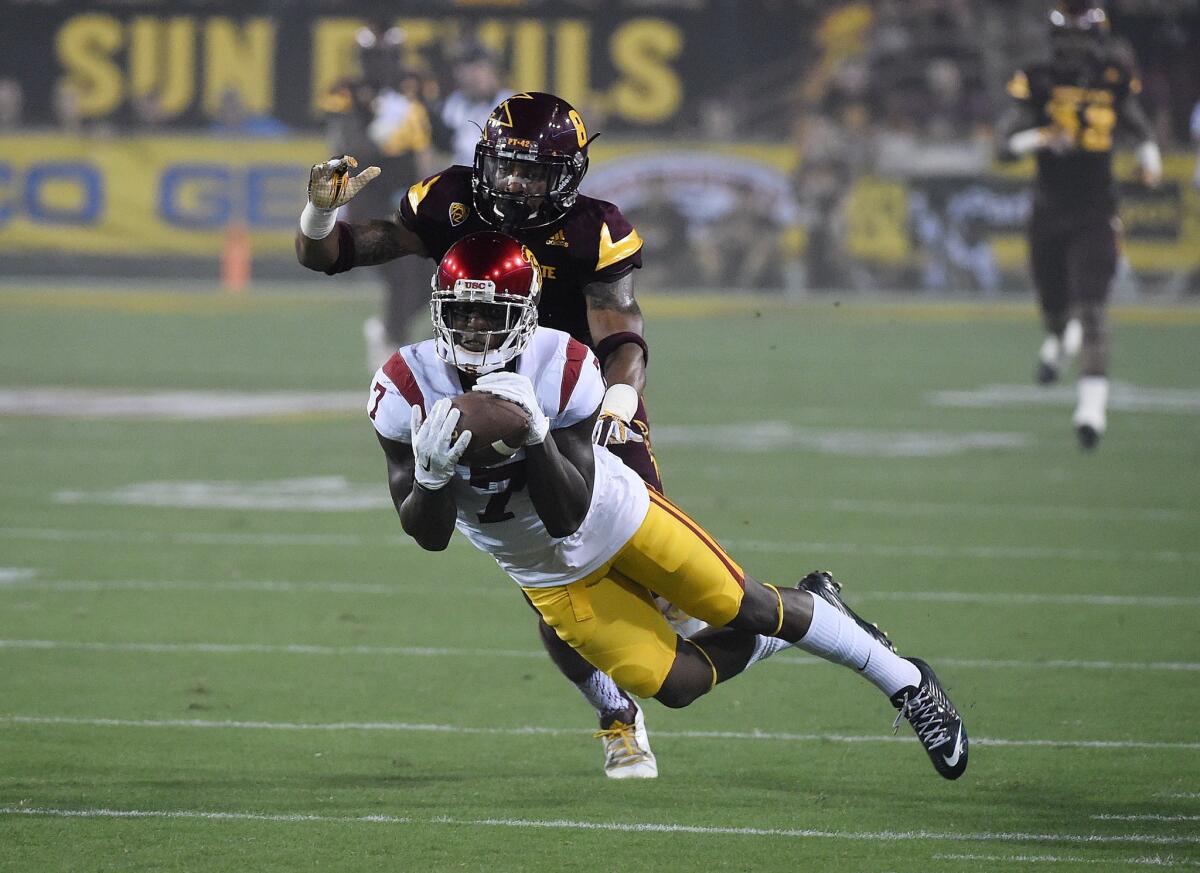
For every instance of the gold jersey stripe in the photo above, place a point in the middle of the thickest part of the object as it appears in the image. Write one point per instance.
(418, 191)
(611, 252)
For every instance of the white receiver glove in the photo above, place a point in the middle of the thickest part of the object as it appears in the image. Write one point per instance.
(330, 186)
(1149, 159)
(519, 390)
(617, 409)
(432, 447)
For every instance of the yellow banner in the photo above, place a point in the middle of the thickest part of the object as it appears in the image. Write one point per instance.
(151, 196)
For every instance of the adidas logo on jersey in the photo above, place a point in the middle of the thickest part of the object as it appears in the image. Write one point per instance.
(558, 239)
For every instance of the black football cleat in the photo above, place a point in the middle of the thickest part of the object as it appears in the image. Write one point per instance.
(1046, 374)
(936, 722)
(820, 583)
(1089, 437)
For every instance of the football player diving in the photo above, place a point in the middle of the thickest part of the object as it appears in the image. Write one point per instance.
(587, 540)
(1067, 111)
(529, 161)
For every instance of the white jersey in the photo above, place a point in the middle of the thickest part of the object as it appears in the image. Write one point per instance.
(494, 509)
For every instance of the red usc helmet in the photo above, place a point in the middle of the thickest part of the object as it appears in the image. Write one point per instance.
(529, 161)
(484, 305)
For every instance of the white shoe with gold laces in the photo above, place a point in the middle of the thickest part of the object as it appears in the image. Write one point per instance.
(627, 752)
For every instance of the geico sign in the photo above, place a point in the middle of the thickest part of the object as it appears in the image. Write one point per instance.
(203, 196)
(191, 196)
(58, 192)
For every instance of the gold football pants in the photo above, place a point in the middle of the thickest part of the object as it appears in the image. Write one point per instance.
(610, 617)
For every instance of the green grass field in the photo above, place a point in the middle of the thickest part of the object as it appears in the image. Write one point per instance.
(218, 653)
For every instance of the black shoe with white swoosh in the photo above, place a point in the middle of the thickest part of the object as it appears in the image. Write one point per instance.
(935, 721)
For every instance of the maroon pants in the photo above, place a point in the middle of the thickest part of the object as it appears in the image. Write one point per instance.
(639, 457)
(1073, 259)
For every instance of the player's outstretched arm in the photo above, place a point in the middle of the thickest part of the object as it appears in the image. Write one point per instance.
(613, 314)
(615, 323)
(324, 244)
(559, 465)
(1134, 119)
(419, 473)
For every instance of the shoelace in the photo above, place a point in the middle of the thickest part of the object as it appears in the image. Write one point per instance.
(924, 713)
(618, 731)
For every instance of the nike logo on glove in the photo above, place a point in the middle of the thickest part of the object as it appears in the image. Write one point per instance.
(951, 760)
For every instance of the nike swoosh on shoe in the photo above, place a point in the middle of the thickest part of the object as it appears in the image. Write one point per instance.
(952, 760)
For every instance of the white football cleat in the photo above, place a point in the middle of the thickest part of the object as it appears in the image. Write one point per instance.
(627, 752)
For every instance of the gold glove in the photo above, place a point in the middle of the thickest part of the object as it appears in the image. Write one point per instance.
(330, 184)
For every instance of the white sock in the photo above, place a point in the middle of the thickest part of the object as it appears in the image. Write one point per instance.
(765, 647)
(1072, 338)
(1093, 401)
(603, 694)
(838, 638)
(1051, 351)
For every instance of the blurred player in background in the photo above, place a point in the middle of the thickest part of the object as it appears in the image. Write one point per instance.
(380, 118)
(477, 92)
(524, 179)
(587, 540)
(1068, 110)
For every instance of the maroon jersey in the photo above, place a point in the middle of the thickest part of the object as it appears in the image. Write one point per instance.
(1088, 107)
(593, 242)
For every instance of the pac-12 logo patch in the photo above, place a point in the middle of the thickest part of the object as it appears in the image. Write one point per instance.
(458, 213)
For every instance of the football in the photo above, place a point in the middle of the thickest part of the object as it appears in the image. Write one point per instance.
(497, 427)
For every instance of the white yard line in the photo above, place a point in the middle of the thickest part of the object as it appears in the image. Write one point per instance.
(201, 538)
(501, 588)
(619, 827)
(924, 550)
(527, 730)
(1109, 816)
(536, 654)
(1180, 795)
(914, 550)
(1148, 861)
(266, 649)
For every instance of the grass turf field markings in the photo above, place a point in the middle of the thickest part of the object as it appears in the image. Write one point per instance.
(1124, 397)
(953, 509)
(501, 589)
(919, 550)
(275, 297)
(1112, 816)
(1005, 553)
(619, 827)
(1146, 861)
(538, 654)
(336, 493)
(539, 730)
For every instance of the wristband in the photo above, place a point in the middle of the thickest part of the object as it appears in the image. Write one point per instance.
(1149, 158)
(317, 223)
(620, 400)
(1026, 141)
(613, 341)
